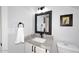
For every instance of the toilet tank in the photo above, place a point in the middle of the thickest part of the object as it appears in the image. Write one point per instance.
(67, 48)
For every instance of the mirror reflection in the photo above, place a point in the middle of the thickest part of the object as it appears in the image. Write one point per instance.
(43, 23)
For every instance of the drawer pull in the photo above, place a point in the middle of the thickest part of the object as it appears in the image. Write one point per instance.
(46, 50)
(32, 48)
(1, 44)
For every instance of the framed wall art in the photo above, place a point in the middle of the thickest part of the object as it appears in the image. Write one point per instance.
(66, 20)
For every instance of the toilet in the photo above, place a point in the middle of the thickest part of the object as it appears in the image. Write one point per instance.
(67, 48)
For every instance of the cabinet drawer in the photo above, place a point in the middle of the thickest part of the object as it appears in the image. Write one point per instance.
(41, 50)
(28, 47)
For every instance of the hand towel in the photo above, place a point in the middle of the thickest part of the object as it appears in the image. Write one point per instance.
(20, 35)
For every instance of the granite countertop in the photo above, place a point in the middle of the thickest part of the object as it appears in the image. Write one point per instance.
(46, 45)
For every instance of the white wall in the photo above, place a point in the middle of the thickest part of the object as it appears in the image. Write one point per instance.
(0, 30)
(4, 21)
(67, 34)
(15, 15)
(0, 25)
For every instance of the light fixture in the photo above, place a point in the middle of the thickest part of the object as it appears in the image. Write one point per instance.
(41, 10)
(44, 9)
(38, 11)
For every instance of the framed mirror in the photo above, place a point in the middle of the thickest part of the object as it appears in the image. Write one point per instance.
(43, 23)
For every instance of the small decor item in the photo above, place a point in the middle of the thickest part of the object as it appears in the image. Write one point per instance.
(66, 20)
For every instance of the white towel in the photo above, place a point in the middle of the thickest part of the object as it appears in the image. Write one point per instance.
(20, 35)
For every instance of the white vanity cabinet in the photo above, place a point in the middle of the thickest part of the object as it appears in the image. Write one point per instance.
(41, 50)
(30, 48)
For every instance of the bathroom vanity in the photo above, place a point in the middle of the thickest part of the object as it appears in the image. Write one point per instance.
(43, 42)
(32, 45)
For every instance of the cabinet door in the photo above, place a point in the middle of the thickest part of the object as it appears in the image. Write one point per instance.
(41, 50)
(28, 47)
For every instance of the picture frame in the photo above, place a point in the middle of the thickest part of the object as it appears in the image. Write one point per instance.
(66, 20)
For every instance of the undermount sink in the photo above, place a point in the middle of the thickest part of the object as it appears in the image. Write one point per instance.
(40, 40)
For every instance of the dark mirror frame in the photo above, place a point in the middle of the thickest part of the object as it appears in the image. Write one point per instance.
(50, 22)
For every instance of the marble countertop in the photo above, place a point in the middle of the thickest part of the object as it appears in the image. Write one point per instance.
(46, 45)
